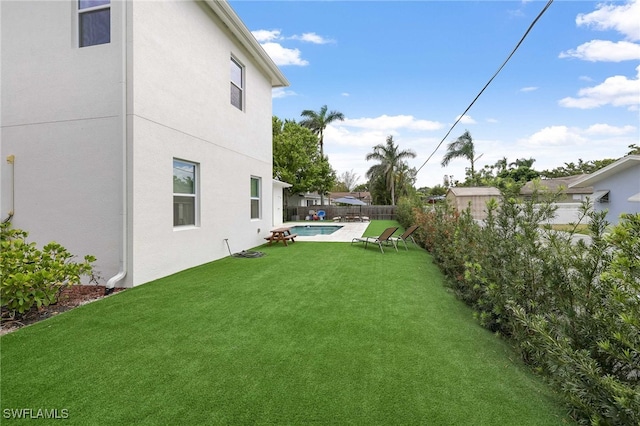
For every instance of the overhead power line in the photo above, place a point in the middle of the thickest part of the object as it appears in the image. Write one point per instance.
(488, 83)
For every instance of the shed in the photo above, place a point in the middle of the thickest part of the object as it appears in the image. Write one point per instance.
(474, 197)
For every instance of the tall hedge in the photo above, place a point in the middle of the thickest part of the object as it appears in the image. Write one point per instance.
(571, 308)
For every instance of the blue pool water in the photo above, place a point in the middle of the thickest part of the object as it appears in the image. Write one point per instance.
(311, 230)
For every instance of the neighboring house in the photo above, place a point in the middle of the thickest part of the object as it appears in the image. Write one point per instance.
(306, 199)
(474, 197)
(616, 187)
(138, 132)
(569, 202)
(568, 194)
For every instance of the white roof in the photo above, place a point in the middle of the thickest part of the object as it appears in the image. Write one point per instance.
(464, 191)
(605, 172)
(277, 182)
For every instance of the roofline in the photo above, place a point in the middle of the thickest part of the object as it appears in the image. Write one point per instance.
(281, 183)
(623, 163)
(227, 15)
(490, 190)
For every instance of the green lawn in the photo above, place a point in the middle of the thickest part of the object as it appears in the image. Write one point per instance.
(324, 333)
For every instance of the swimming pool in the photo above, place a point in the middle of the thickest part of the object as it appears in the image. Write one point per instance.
(311, 230)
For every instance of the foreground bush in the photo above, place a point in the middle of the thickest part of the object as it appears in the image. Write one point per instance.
(572, 309)
(30, 277)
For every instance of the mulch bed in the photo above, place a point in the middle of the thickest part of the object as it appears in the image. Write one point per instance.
(70, 297)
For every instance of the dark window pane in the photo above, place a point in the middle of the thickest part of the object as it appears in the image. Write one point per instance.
(236, 96)
(95, 27)
(184, 211)
(85, 4)
(255, 209)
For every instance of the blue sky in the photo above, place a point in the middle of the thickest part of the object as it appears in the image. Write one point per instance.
(410, 68)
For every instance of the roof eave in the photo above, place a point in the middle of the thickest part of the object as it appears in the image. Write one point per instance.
(621, 164)
(227, 15)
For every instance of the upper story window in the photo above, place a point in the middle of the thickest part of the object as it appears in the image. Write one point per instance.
(255, 197)
(185, 190)
(94, 22)
(237, 84)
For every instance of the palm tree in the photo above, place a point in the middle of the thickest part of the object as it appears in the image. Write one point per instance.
(317, 121)
(391, 160)
(461, 148)
(523, 162)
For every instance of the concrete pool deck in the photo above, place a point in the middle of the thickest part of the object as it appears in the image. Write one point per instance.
(348, 232)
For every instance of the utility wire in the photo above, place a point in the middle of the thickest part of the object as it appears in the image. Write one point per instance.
(488, 83)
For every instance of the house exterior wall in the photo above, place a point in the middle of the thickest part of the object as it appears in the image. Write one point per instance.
(180, 108)
(622, 185)
(62, 119)
(78, 119)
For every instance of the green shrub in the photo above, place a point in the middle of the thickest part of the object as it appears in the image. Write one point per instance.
(572, 309)
(30, 277)
(405, 210)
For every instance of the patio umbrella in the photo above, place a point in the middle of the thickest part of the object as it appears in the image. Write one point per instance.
(350, 200)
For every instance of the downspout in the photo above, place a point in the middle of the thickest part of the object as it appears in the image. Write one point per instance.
(11, 159)
(122, 273)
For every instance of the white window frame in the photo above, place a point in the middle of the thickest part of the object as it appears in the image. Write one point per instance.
(195, 195)
(236, 62)
(88, 10)
(255, 198)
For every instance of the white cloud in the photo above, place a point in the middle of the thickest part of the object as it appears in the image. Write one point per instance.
(608, 130)
(616, 91)
(311, 38)
(529, 89)
(264, 36)
(622, 18)
(554, 136)
(284, 56)
(604, 50)
(345, 94)
(492, 120)
(466, 119)
(386, 122)
(281, 92)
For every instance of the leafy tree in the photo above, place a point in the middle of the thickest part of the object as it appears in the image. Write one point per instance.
(405, 180)
(572, 169)
(340, 186)
(363, 187)
(391, 160)
(347, 181)
(462, 147)
(438, 190)
(296, 159)
(634, 149)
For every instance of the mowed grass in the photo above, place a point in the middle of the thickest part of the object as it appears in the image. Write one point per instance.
(322, 333)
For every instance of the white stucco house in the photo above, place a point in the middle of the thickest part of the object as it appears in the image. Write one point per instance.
(138, 132)
(616, 188)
